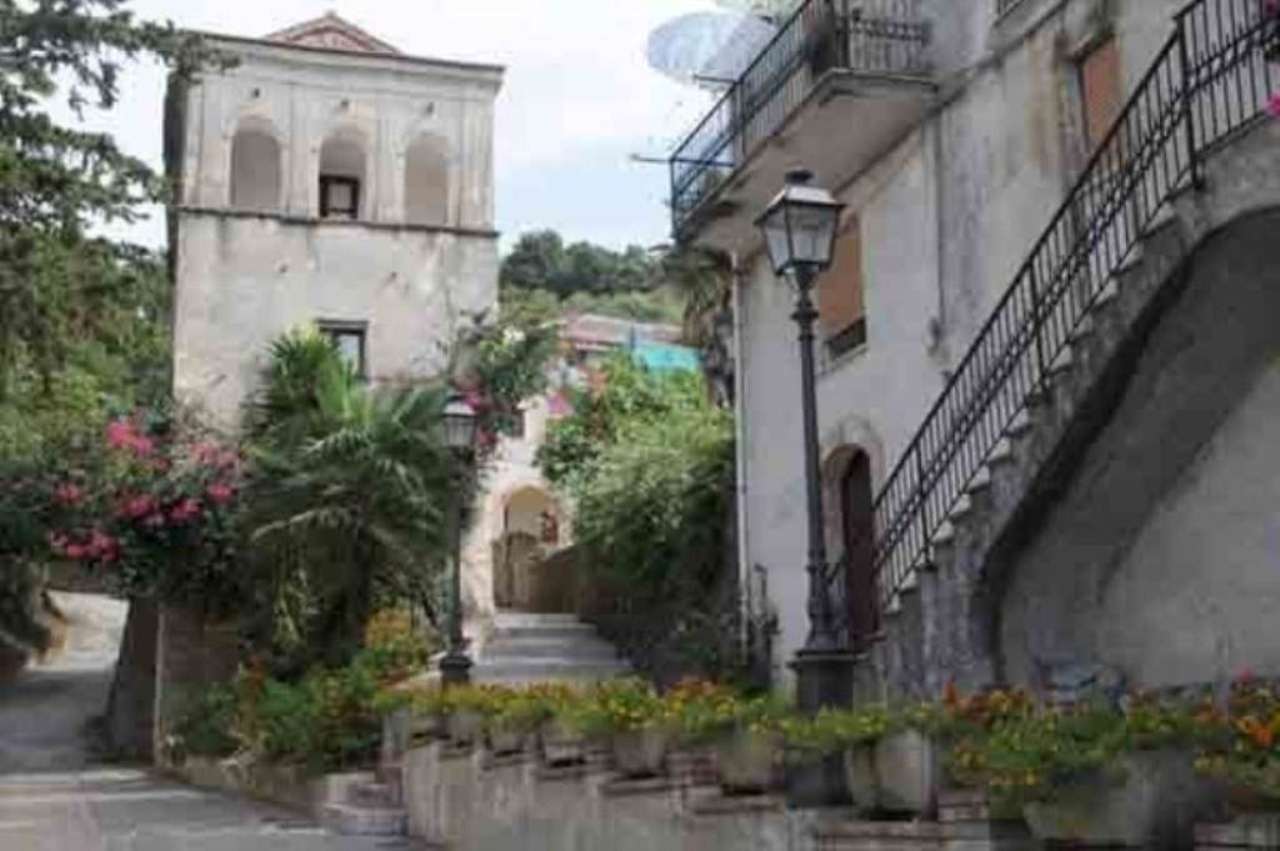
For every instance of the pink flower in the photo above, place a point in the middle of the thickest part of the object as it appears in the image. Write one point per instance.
(75, 552)
(102, 546)
(68, 494)
(1273, 105)
(185, 511)
(1245, 676)
(137, 507)
(221, 493)
(124, 435)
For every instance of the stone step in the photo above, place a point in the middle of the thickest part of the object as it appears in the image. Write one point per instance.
(536, 670)
(533, 620)
(586, 649)
(351, 820)
(375, 795)
(567, 632)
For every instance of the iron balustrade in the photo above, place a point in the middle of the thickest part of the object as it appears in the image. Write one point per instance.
(1004, 7)
(1209, 81)
(872, 36)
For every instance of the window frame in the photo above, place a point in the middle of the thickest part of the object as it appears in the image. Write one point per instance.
(336, 328)
(327, 181)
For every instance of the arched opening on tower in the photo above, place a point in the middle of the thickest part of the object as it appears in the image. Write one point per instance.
(256, 171)
(343, 181)
(426, 182)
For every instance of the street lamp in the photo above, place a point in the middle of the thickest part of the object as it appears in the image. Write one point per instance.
(799, 229)
(459, 437)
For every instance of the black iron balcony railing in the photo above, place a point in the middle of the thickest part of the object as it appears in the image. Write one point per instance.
(1211, 80)
(867, 36)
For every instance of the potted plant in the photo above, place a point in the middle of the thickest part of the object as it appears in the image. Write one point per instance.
(560, 733)
(467, 709)
(516, 717)
(749, 749)
(631, 714)
(1240, 747)
(700, 711)
(1096, 774)
(853, 734)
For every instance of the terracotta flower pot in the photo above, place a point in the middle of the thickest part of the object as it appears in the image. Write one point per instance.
(465, 726)
(748, 762)
(1153, 800)
(561, 745)
(641, 753)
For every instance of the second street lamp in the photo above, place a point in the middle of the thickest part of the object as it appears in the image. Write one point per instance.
(459, 437)
(799, 229)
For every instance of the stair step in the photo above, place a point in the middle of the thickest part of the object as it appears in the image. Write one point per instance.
(946, 533)
(593, 649)
(512, 671)
(1020, 424)
(981, 480)
(374, 795)
(567, 632)
(1001, 452)
(530, 619)
(963, 506)
(350, 820)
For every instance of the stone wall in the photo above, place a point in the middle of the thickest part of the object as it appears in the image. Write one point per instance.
(130, 717)
(1159, 558)
(472, 800)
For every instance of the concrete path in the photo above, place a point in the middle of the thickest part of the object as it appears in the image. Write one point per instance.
(54, 798)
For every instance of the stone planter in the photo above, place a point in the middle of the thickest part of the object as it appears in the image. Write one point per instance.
(907, 773)
(1154, 800)
(464, 727)
(748, 762)
(641, 753)
(561, 745)
(505, 742)
(899, 775)
(860, 775)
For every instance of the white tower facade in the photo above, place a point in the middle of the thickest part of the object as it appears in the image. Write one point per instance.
(327, 178)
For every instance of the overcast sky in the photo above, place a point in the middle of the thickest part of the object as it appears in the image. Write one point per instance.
(579, 98)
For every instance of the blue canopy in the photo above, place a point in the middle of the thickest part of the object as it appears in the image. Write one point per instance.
(664, 357)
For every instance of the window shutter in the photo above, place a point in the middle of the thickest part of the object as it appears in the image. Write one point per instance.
(840, 288)
(1101, 91)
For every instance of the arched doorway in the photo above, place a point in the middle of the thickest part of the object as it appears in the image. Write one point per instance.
(528, 576)
(856, 501)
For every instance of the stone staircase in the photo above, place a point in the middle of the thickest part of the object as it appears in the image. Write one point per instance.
(373, 806)
(964, 823)
(935, 627)
(527, 648)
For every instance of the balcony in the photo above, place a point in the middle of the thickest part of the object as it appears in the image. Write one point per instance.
(839, 83)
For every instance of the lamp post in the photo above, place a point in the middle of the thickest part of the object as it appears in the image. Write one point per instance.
(459, 437)
(799, 228)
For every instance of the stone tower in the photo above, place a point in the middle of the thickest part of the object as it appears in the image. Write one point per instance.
(327, 178)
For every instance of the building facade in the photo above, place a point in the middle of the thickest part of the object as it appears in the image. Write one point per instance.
(327, 178)
(964, 468)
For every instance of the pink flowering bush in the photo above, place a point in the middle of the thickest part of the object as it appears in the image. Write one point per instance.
(154, 510)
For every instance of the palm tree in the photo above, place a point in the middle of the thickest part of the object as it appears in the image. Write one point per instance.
(347, 498)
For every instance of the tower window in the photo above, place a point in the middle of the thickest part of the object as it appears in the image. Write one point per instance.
(339, 197)
(349, 339)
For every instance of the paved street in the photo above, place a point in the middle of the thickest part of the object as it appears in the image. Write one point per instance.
(53, 798)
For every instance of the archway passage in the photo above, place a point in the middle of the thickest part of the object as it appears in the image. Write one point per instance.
(857, 533)
(528, 577)
(255, 170)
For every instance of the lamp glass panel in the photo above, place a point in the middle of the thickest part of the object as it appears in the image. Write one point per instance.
(774, 226)
(813, 231)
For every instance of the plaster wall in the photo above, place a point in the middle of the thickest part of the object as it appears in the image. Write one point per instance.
(1160, 559)
(245, 276)
(947, 216)
(244, 280)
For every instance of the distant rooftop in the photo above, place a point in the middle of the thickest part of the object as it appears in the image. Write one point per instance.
(589, 331)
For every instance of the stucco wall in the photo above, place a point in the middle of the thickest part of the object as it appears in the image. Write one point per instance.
(244, 280)
(947, 218)
(1161, 558)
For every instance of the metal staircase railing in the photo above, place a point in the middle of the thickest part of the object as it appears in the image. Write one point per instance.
(1210, 80)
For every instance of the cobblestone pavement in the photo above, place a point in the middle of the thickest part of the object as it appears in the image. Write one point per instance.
(54, 798)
